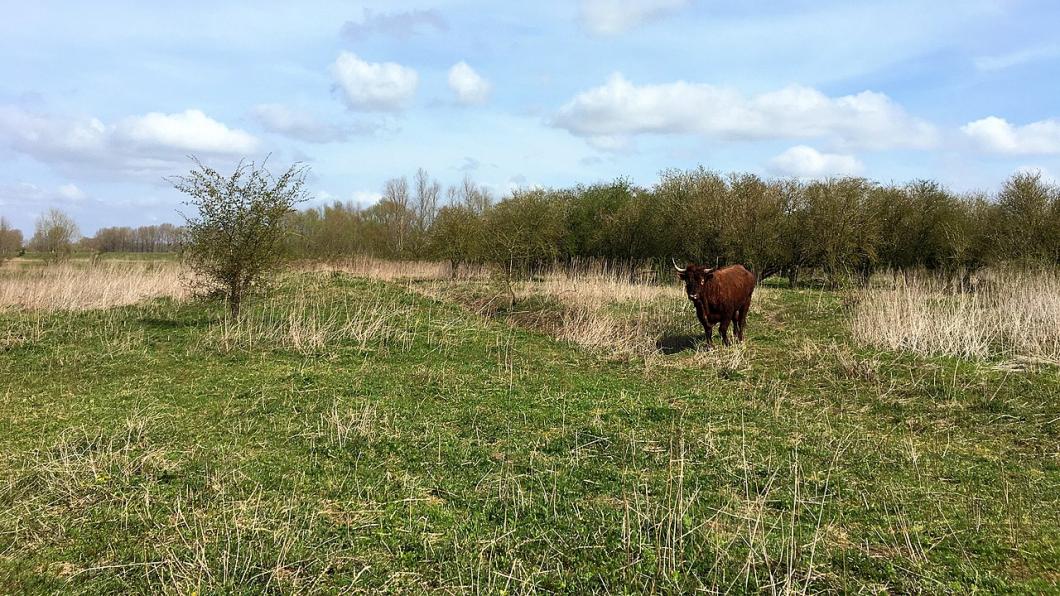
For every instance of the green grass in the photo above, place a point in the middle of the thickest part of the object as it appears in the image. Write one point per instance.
(148, 449)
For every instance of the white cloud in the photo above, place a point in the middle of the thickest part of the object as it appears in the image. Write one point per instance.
(373, 86)
(611, 17)
(151, 142)
(806, 162)
(361, 198)
(190, 130)
(865, 120)
(469, 86)
(996, 135)
(365, 197)
(301, 125)
(1017, 58)
(71, 192)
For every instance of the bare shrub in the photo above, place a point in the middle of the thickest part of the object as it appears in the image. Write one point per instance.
(1008, 313)
(238, 237)
(73, 286)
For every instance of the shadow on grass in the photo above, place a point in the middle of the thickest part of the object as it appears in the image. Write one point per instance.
(672, 344)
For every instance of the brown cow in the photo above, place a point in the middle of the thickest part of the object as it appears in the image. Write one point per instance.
(720, 296)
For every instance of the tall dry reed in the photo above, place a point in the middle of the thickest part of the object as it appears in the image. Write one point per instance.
(312, 322)
(386, 270)
(85, 286)
(1006, 313)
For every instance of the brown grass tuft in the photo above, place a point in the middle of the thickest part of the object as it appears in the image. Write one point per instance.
(311, 323)
(1006, 313)
(82, 286)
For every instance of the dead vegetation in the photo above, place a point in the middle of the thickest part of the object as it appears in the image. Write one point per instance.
(1008, 313)
(310, 324)
(77, 286)
(387, 270)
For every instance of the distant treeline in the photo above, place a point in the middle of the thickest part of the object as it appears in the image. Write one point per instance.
(160, 238)
(840, 226)
(57, 234)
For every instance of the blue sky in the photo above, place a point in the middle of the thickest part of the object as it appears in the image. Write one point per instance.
(100, 101)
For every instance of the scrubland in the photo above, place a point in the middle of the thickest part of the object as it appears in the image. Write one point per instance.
(378, 427)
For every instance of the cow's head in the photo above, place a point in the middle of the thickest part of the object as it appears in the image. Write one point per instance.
(695, 278)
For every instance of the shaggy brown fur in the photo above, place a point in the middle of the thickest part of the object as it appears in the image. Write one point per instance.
(721, 296)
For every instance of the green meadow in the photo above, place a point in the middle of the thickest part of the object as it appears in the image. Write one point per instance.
(356, 435)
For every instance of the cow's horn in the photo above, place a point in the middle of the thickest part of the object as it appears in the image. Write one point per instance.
(679, 270)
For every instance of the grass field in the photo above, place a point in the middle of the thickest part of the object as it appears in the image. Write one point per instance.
(414, 434)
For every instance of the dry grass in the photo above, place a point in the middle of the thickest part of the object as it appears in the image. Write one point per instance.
(381, 269)
(1005, 314)
(613, 310)
(220, 532)
(66, 478)
(590, 285)
(78, 286)
(610, 310)
(312, 322)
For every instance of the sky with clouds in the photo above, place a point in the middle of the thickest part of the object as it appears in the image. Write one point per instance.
(100, 101)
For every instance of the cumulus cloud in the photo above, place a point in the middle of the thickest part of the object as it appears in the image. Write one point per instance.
(611, 17)
(401, 25)
(997, 135)
(152, 141)
(303, 126)
(469, 86)
(806, 162)
(190, 130)
(620, 108)
(373, 86)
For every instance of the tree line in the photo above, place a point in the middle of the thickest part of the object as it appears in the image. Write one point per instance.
(57, 235)
(841, 227)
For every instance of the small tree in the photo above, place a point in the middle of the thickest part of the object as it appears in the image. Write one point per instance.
(238, 236)
(457, 236)
(521, 232)
(54, 234)
(10, 240)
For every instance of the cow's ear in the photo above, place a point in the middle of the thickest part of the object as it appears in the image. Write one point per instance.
(682, 274)
(708, 274)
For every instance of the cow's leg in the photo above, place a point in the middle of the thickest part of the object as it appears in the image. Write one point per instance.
(707, 327)
(723, 330)
(743, 317)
